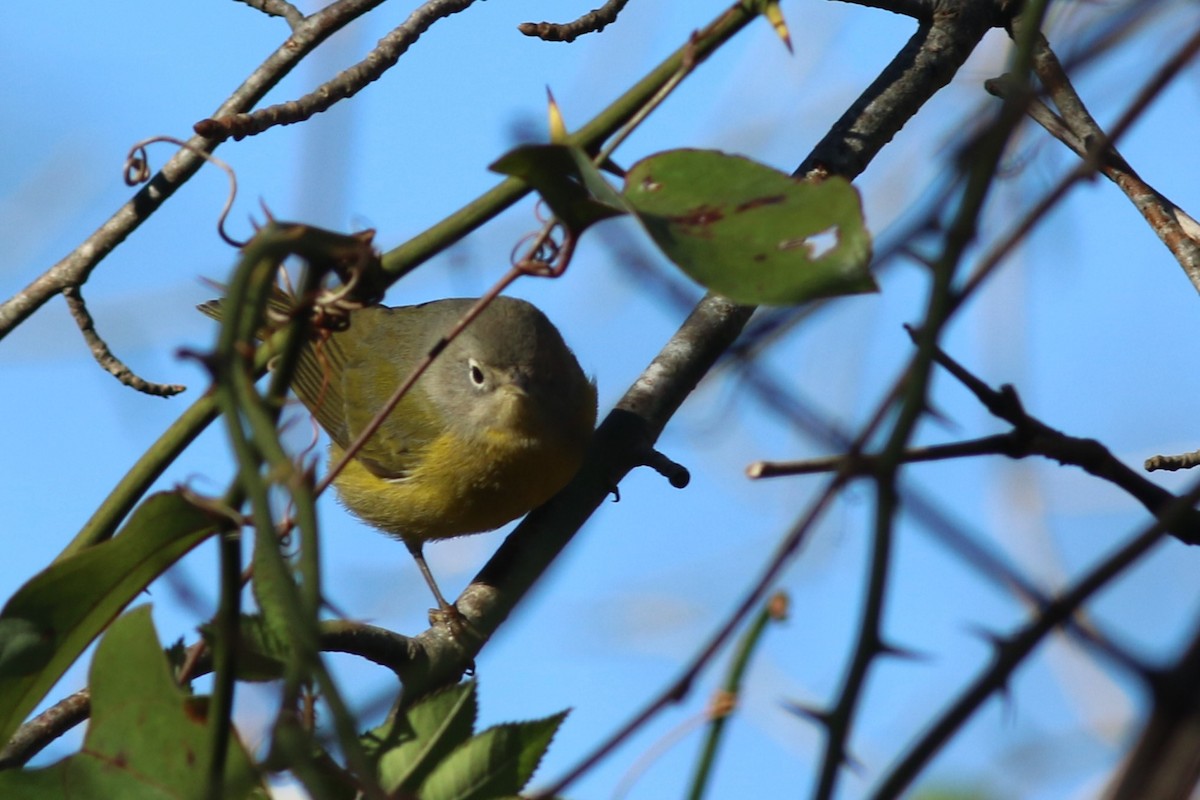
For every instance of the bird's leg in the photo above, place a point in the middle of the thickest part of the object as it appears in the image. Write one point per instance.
(446, 612)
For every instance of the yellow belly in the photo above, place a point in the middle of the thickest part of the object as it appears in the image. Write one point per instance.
(459, 488)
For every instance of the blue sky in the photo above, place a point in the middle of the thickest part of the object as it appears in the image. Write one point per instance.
(1092, 320)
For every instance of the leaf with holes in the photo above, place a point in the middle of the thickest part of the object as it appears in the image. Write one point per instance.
(749, 232)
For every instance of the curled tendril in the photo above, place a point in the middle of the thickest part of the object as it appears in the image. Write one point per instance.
(137, 170)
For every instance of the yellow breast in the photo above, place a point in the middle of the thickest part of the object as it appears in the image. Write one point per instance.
(459, 487)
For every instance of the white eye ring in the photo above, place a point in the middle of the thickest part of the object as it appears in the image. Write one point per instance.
(476, 373)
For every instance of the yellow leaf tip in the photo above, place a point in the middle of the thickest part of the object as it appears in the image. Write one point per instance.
(558, 128)
(774, 15)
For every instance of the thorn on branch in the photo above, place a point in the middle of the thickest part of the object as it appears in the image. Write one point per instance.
(1032, 436)
(592, 22)
(808, 712)
(104, 356)
(895, 651)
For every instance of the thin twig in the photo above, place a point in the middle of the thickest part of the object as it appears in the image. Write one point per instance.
(592, 22)
(1088, 454)
(727, 697)
(1079, 131)
(997, 253)
(1172, 463)
(866, 463)
(346, 83)
(911, 401)
(36, 734)
(278, 8)
(104, 356)
(1012, 651)
(74, 269)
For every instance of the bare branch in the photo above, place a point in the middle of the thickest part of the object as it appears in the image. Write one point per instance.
(592, 22)
(1165, 763)
(865, 464)
(1079, 131)
(32, 737)
(74, 269)
(346, 83)
(927, 63)
(1172, 463)
(278, 8)
(104, 356)
(1088, 454)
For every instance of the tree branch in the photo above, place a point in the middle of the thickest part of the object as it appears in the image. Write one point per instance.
(1079, 131)
(1036, 438)
(345, 84)
(1165, 762)
(104, 356)
(74, 269)
(592, 22)
(1011, 652)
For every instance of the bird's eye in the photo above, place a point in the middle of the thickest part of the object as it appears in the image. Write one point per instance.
(477, 376)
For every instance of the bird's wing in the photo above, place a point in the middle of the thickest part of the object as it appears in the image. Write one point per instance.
(373, 367)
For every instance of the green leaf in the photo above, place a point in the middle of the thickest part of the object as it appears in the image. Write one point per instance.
(261, 652)
(414, 743)
(146, 739)
(51, 619)
(749, 232)
(567, 180)
(496, 763)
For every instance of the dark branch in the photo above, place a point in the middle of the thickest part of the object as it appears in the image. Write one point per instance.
(1088, 454)
(1165, 762)
(592, 22)
(104, 356)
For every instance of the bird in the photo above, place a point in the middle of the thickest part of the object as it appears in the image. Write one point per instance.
(498, 423)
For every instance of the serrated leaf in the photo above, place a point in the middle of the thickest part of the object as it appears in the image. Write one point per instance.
(494, 764)
(51, 619)
(411, 745)
(567, 180)
(146, 739)
(749, 232)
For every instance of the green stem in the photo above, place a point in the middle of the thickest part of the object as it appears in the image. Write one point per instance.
(732, 691)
